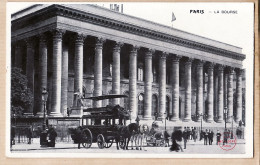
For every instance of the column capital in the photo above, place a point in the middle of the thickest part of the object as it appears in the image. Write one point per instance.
(189, 61)
(163, 55)
(200, 63)
(18, 44)
(220, 67)
(210, 65)
(79, 38)
(239, 71)
(230, 70)
(30, 42)
(117, 46)
(175, 58)
(134, 49)
(42, 38)
(58, 33)
(149, 53)
(99, 42)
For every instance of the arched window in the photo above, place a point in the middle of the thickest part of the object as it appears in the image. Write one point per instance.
(167, 106)
(140, 72)
(155, 80)
(141, 104)
(126, 101)
(154, 105)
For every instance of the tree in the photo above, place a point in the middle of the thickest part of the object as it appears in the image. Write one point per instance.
(21, 95)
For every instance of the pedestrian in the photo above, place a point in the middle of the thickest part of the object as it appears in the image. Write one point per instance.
(176, 136)
(211, 134)
(201, 135)
(226, 135)
(29, 135)
(12, 136)
(185, 137)
(52, 136)
(218, 135)
(79, 136)
(194, 134)
(206, 134)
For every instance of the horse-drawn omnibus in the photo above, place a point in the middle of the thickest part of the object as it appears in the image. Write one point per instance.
(102, 125)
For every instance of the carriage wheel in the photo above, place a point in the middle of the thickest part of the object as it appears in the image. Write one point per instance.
(121, 142)
(100, 141)
(109, 143)
(87, 138)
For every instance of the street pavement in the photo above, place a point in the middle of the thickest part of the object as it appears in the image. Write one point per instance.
(197, 147)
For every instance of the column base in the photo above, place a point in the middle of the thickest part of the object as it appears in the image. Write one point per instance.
(55, 114)
(220, 121)
(187, 119)
(147, 118)
(209, 120)
(175, 119)
(40, 114)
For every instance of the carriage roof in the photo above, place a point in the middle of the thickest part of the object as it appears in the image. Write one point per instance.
(104, 97)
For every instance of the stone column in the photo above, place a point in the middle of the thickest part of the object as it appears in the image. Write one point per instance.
(199, 100)
(30, 70)
(210, 92)
(98, 70)
(78, 65)
(132, 82)
(230, 94)
(116, 72)
(175, 88)
(56, 72)
(43, 69)
(162, 85)
(187, 110)
(239, 95)
(220, 93)
(148, 85)
(18, 55)
(64, 80)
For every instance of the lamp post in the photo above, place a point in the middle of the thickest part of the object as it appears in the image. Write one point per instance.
(225, 115)
(44, 99)
(232, 127)
(166, 116)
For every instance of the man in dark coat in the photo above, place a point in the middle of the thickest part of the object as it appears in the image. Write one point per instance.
(52, 136)
(211, 134)
(29, 136)
(218, 135)
(206, 135)
(79, 136)
(185, 137)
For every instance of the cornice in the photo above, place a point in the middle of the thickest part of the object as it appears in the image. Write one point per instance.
(58, 10)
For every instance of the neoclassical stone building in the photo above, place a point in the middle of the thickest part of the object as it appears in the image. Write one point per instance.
(93, 50)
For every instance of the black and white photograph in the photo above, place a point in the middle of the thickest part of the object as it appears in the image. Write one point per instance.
(130, 80)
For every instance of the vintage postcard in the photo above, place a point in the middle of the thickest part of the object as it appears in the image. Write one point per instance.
(130, 80)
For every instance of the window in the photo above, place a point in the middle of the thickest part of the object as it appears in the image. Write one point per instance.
(140, 72)
(141, 104)
(155, 75)
(154, 105)
(167, 106)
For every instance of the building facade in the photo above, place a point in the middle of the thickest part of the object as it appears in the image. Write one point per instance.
(87, 49)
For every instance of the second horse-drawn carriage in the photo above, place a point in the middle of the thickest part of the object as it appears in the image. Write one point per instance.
(102, 125)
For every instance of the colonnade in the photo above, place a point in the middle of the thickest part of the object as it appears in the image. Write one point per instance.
(60, 78)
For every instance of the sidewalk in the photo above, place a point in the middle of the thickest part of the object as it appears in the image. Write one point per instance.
(70, 145)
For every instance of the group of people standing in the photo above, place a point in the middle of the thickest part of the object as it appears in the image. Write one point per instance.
(207, 136)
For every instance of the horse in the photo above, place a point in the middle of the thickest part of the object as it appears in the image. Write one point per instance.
(125, 133)
(138, 138)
